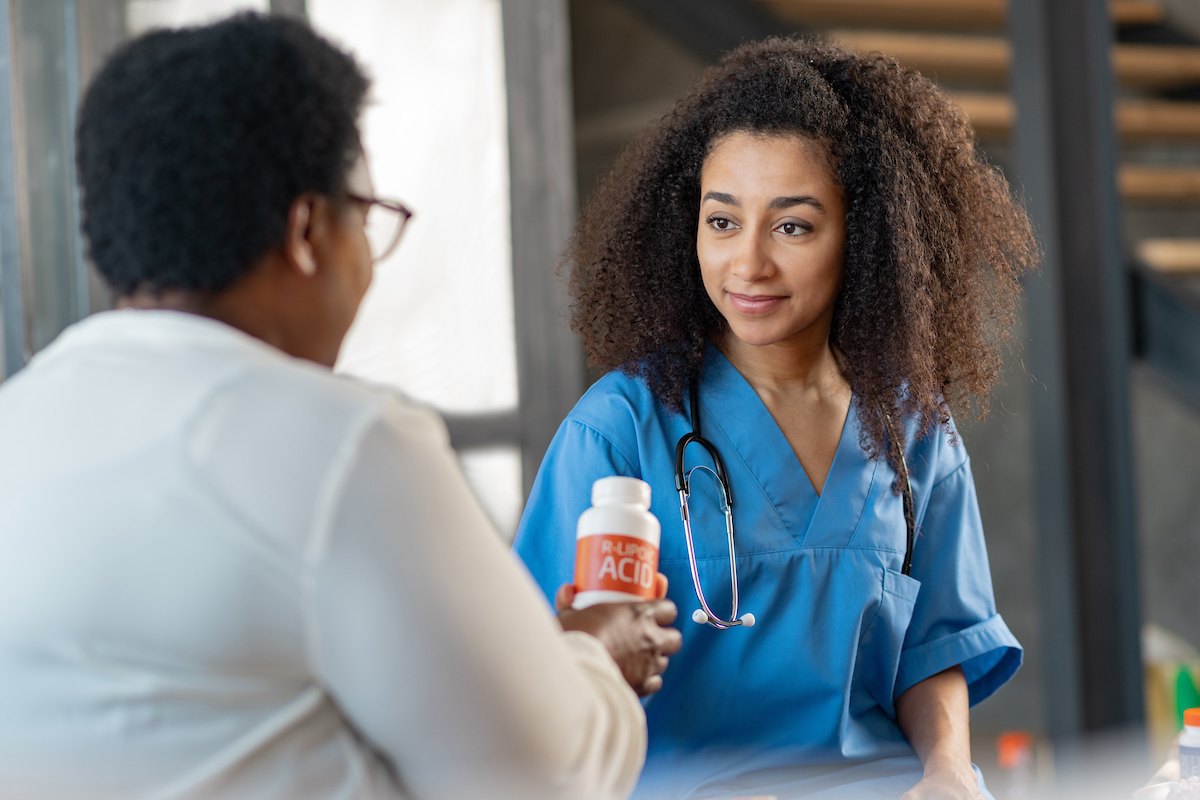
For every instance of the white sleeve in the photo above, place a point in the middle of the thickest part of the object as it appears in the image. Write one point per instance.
(438, 647)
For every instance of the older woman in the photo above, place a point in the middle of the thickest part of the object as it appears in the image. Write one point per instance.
(224, 572)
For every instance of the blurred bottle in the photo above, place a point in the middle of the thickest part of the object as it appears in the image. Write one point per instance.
(1189, 745)
(1014, 757)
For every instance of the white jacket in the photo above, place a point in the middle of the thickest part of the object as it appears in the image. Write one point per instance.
(226, 573)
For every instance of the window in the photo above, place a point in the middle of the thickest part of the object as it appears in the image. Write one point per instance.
(466, 315)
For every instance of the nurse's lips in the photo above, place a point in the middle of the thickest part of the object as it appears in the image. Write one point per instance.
(755, 303)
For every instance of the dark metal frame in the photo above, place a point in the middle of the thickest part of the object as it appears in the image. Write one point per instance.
(1046, 360)
(1079, 352)
(12, 301)
(537, 62)
(71, 34)
(710, 27)
(88, 32)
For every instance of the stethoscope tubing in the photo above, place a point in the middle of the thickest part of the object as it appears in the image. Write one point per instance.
(704, 614)
(683, 482)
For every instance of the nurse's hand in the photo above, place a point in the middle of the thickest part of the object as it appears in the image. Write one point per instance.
(948, 785)
(636, 635)
(934, 716)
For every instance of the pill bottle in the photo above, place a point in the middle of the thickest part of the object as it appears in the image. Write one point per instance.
(616, 544)
(1189, 744)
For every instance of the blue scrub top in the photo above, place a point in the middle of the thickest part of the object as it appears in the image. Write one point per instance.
(840, 632)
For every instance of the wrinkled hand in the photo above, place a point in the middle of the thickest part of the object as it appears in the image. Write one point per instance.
(948, 784)
(636, 635)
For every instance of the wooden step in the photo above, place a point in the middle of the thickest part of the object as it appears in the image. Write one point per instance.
(1137, 12)
(1159, 184)
(939, 56)
(986, 58)
(1142, 120)
(1156, 67)
(993, 116)
(983, 14)
(1178, 256)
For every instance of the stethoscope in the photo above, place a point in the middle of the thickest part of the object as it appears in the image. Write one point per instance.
(683, 483)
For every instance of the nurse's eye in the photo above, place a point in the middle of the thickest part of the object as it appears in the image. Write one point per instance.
(721, 223)
(794, 229)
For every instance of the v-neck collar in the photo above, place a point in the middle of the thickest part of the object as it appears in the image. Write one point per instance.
(729, 404)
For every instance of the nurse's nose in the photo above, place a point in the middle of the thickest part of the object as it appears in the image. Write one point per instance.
(752, 262)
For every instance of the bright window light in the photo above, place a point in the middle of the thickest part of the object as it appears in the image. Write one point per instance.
(438, 320)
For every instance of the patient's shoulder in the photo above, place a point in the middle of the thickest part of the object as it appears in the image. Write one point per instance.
(275, 440)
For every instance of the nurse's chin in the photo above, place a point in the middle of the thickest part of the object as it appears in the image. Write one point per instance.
(760, 335)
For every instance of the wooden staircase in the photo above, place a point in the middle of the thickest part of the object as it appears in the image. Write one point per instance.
(985, 14)
(962, 45)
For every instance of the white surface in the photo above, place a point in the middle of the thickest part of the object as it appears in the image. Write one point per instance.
(144, 15)
(213, 556)
(437, 322)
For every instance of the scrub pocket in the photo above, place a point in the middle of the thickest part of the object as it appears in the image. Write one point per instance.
(882, 640)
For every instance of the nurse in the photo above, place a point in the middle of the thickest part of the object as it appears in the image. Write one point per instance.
(811, 241)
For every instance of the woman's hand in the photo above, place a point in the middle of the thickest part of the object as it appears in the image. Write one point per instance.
(934, 717)
(636, 635)
(946, 784)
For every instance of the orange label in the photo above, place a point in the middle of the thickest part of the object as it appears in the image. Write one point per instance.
(609, 562)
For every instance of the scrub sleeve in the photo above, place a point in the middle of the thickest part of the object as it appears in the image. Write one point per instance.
(954, 619)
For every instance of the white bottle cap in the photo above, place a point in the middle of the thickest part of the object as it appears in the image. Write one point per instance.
(617, 490)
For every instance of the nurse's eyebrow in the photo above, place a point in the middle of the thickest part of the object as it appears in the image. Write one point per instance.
(801, 200)
(775, 205)
(721, 197)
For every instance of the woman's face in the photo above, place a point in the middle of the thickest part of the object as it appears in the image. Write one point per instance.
(770, 236)
(345, 266)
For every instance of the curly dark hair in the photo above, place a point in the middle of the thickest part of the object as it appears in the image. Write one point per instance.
(935, 244)
(193, 143)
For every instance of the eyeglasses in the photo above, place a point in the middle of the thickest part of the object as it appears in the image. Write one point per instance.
(386, 221)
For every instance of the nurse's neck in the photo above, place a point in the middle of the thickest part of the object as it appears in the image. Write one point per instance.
(804, 363)
(800, 382)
